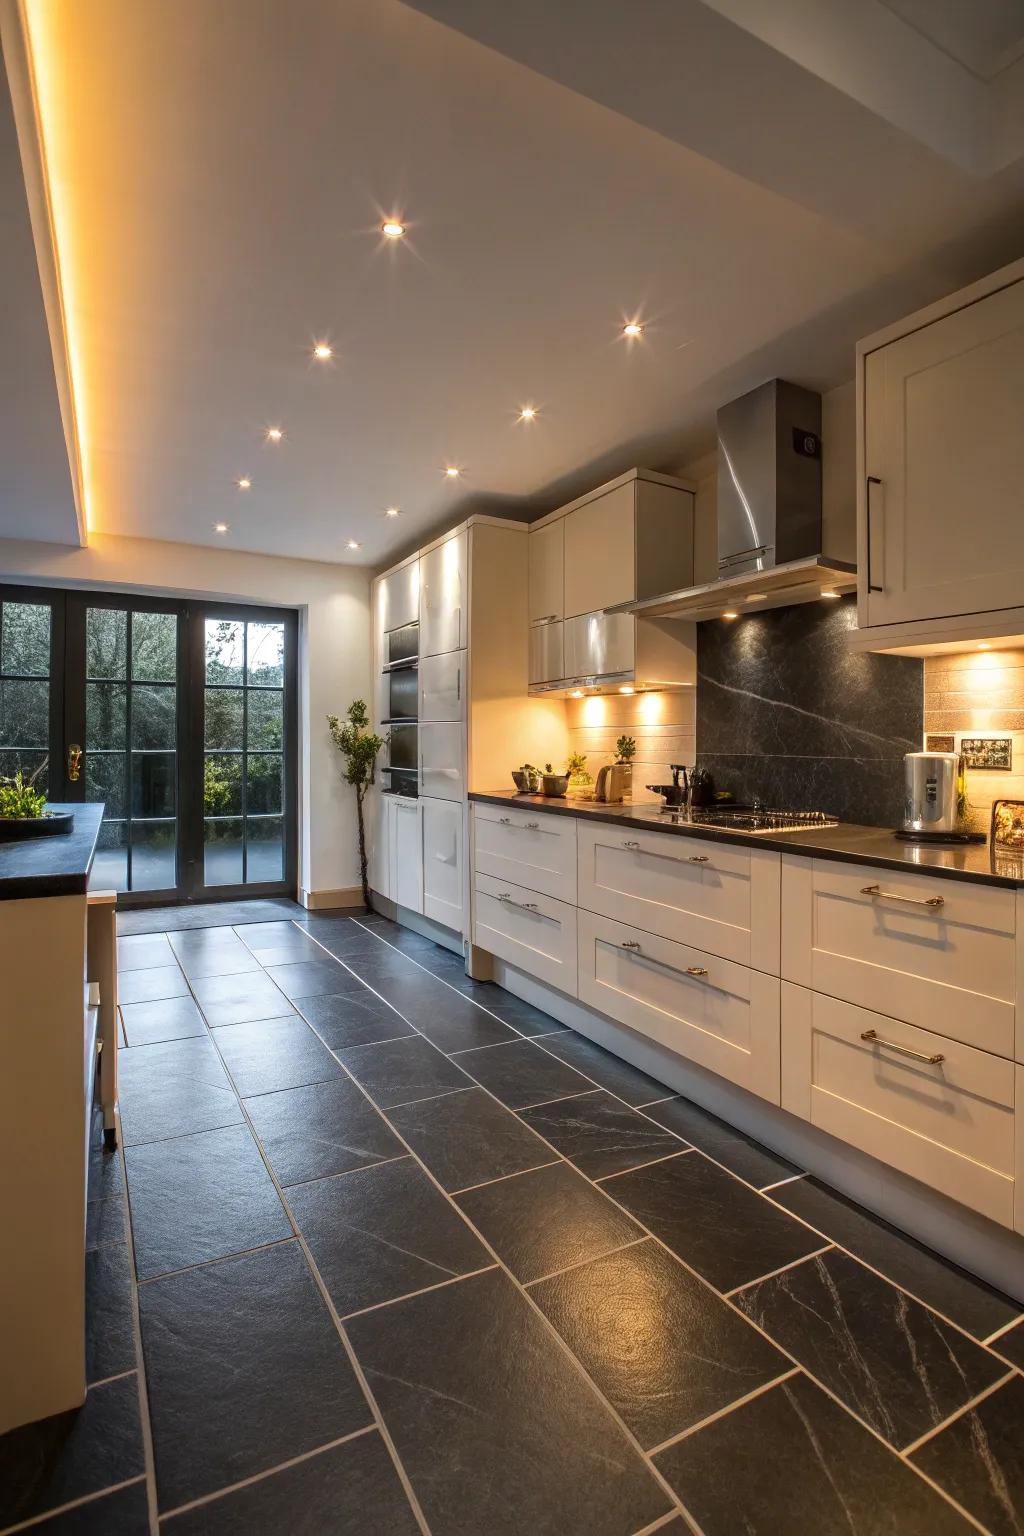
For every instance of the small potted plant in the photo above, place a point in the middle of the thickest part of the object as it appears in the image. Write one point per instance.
(23, 811)
(625, 751)
(553, 784)
(581, 782)
(526, 778)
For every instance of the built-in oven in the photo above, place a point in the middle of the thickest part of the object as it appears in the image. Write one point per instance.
(403, 689)
(402, 704)
(401, 646)
(403, 757)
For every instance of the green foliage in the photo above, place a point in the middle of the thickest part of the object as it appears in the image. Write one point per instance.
(625, 748)
(576, 768)
(221, 786)
(19, 800)
(548, 768)
(358, 746)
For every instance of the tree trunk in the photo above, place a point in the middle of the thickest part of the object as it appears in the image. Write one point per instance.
(363, 871)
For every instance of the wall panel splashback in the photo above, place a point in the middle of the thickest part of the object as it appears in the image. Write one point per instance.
(973, 697)
(662, 724)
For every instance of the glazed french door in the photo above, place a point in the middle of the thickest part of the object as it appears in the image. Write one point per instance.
(180, 717)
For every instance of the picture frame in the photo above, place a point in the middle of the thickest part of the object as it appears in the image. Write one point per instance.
(989, 753)
(1008, 824)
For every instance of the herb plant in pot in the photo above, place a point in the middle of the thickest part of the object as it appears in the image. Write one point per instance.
(526, 779)
(625, 751)
(23, 811)
(581, 781)
(553, 784)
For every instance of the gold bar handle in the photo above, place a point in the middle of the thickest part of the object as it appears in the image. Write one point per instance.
(74, 763)
(912, 901)
(630, 843)
(874, 1038)
(696, 970)
(631, 944)
(698, 858)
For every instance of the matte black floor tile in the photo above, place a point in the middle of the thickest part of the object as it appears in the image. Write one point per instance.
(979, 1460)
(173, 1018)
(718, 1226)
(539, 1222)
(56, 1460)
(977, 1307)
(125, 1512)
(324, 1128)
(383, 1232)
(143, 952)
(104, 1222)
(495, 1427)
(208, 915)
(663, 1348)
(792, 1461)
(449, 1020)
(150, 985)
(105, 1169)
(608, 1071)
(466, 1138)
(261, 936)
(109, 1326)
(889, 1359)
(307, 978)
(522, 1074)
(350, 1490)
(353, 1017)
(212, 952)
(743, 1156)
(240, 999)
(174, 1089)
(1011, 1345)
(274, 1053)
(401, 1071)
(245, 1370)
(601, 1135)
(199, 1198)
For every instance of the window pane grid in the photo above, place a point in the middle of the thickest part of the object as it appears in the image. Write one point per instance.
(25, 647)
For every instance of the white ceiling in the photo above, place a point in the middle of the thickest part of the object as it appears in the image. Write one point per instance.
(562, 169)
(985, 38)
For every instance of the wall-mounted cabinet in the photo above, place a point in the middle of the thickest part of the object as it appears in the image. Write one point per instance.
(444, 593)
(547, 573)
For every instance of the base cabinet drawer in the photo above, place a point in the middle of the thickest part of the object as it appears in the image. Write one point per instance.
(940, 954)
(723, 1016)
(938, 1110)
(527, 847)
(719, 898)
(530, 930)
(443, 869)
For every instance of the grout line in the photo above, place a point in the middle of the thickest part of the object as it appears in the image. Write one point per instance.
(659, 1525)
(804, 1258)
(951, 1418)
(105, 1381)
(504, 1178)
(794, 1178)
(490, 1046)
(748, 1397)
(260, 1477)
(166, 1274)
(60, 1509)
(148, 1454)
(591, 1259)
(544, 1102)
(680, 1151)
(427, 1099)
(423, 1290)
(159, 1141)
(343, 1173)
(648, 1103)
(1006, 1327)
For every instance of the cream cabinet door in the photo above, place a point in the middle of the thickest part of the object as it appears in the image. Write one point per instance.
(398, 597)
(442, 750)
(942, 503)
(443, 871)
(534, 850)
(379, 870)
(405, 853)
(442, 682)
(547, 550)
(444, 596)
(532, 931)
(600, 552)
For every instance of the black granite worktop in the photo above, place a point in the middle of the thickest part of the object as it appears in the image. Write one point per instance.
(52, 866)
(847, 843)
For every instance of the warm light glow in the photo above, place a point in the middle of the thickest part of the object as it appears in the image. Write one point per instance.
(274, 434)
(354, 544)
(758, 597)
(393, 229)
(220, 527)
(650, 708)
(322, 352)
(830, 594)
(528, 413)
(452, 471)
(595, 710)
(983, 645)
(632, 329)
(245, 484)
(626, 689)
(729, 614)
(577, 693)
(391, 512)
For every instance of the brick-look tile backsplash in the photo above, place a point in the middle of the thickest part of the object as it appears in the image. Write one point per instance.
(979, 693)
(661, 723)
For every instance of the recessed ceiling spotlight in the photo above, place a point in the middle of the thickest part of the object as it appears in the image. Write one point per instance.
(392, 229)
(730, 614)
(274, 434)
(577, 693)
(323, 352)
(452, 471)
(245, 484)
(528, 413)
(632, 329)
(221, 527)
(354, 544)
(392, 511)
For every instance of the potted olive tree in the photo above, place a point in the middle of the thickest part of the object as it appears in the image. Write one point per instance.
(359, 748)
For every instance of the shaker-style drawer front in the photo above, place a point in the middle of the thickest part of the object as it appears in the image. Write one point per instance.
(722, 899)
(723, 1016)
(442, 681)
(527, 848)
(938, 1110)
(532, 931)
(442, 749)
(940, 954)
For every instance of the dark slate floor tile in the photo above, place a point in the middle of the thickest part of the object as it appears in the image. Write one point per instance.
(1011, 1345)
(214, 914)
(718, 1226)
(523, 1016)
(125, 1512)
(743, 1156)
(109, 1325)
(174, 1089)
(288, 946)
(605, 1069)
(173, 1018)
(321, 1129)
(104, 1222)
(601, 1135)
(349, 1490)
(56, 1460)
(791, 1460)
(521, 1074)
(199, 1198)
(466, 1138)
(106, 1176)
(401, 1071)
(262, 936)
(240, 999)
(274, 1053)
(542, 1221)
(449, 1020)
(307, 978)
(383, 1232)
(353, 1017)
(150, 985)
(663, 1348)
(964, 1298)
(143, 952)
(979, 1460)
(212, 952)
(497, 1430)
(245, 1370)
(889, 1359)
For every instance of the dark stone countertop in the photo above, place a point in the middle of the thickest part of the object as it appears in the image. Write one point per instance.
(846, 843)
(52, 866)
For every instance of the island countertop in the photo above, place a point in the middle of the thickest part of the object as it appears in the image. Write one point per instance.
(846, 842)
(52, 866)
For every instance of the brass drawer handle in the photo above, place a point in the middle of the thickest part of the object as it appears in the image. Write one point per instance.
(526, 906)
(531, 826)
(698, 858)
(874, 1038)
(626, 843)
(696, 970)
(631, 944)
(912, 901)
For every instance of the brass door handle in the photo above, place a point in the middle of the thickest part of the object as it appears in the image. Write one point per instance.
(74, 763)
(696, 970)
(698, 858)
(874, 1038)
(911, 901)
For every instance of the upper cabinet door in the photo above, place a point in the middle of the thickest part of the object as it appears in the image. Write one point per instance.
(943, 493)
(398, 597)
(600, 552)
(547, 573)
(444, 593)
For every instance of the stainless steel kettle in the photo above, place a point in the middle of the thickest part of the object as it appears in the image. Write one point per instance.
(930, 791)
(611, 782)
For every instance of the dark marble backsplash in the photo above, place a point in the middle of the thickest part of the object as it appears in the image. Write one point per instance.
(787, 712)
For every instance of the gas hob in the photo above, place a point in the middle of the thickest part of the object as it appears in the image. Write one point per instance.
(745, 818)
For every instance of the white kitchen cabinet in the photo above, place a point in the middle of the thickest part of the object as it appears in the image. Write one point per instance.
(941, 498)
(443, 865)
(547, 573)
(600, 552)
(547, 652)
(444, 593)
(531, 849)
(442, 681)
(528, 929)
(442, 751)
(405, 852)
(379, 864)
(398, 597)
